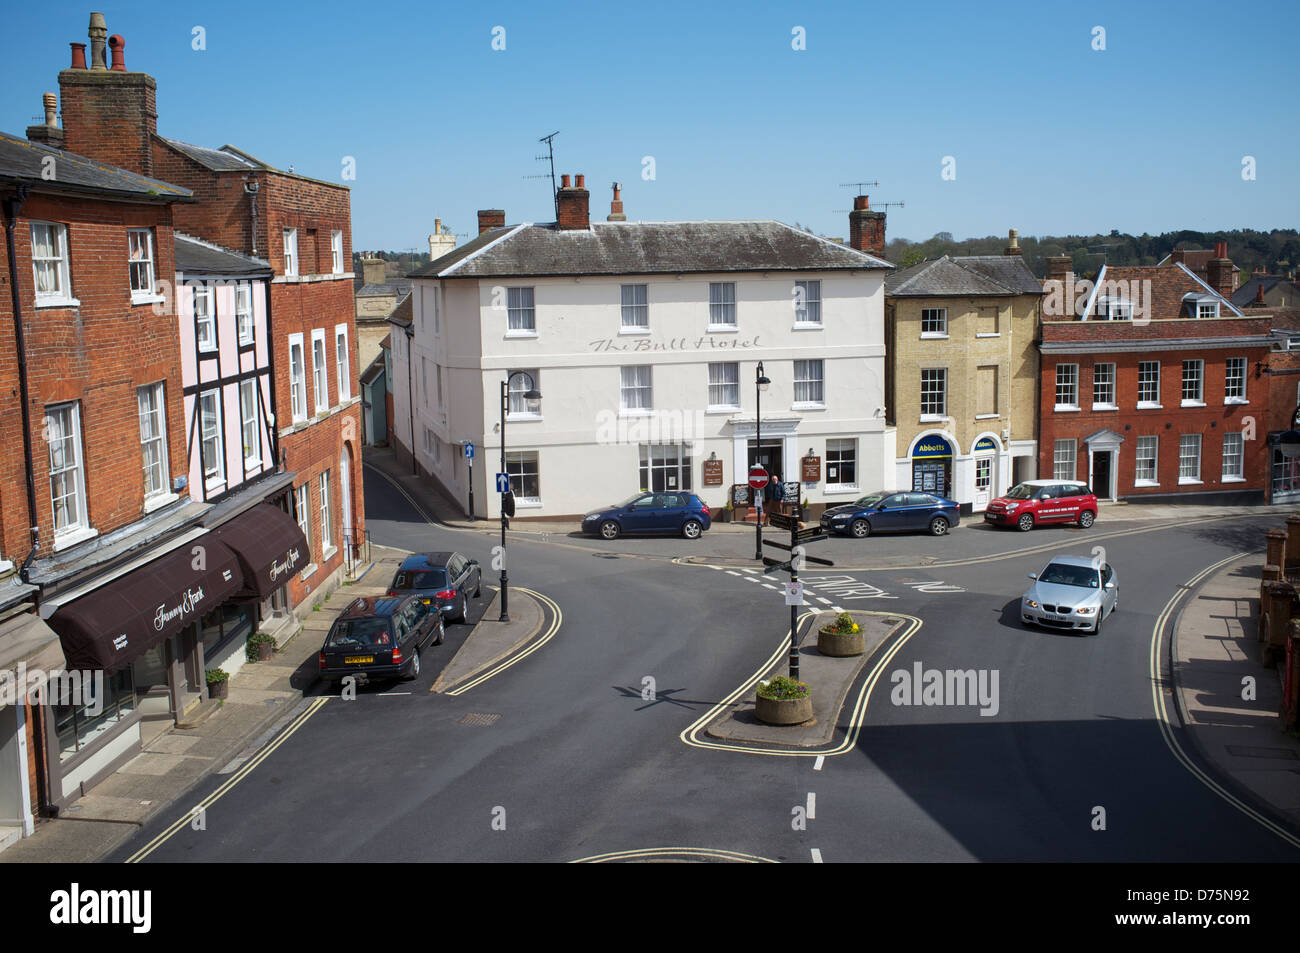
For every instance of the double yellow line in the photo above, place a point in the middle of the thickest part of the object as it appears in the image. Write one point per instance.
(557, 617)
(186, 819)
(1165, 721)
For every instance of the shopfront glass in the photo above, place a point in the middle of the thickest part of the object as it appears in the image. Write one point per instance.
(224, 624)
(80, 717)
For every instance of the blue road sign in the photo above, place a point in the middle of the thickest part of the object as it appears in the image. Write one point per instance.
(503, 482)
(469, 451)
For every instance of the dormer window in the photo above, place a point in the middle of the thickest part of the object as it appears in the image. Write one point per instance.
(1207, 309)
(1202, 305)
(1114, 309)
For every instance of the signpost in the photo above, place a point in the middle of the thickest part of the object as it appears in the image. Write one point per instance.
(757, 477)
(503, 482)
(469, 462)
(794, 589)
(758, 480)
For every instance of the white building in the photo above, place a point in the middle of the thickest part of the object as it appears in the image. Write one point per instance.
(644, 340)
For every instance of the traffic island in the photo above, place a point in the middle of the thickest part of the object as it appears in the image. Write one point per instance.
(829, 680)
(492, 641)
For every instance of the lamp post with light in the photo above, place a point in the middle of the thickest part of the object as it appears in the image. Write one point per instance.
(760, 385)
(531, 394)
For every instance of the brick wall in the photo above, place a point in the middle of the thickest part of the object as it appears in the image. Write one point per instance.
(111, 116)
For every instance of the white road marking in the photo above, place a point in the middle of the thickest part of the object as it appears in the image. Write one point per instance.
(824, 602)
(732, 572)
(816, 855)
(817, 765)
(812, 806)
(836, 609)
(768, 585)
(386, 694)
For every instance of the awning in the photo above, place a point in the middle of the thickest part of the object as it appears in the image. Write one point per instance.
(270, 546)
(115, 624)
(26, 640)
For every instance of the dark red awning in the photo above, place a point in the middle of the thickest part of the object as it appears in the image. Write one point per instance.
(270, 546)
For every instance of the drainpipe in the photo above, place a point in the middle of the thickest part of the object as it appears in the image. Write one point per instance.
(410, 395)
(12, 206)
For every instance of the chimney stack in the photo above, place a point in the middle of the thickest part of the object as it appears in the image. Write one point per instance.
(440, 243)
(1259, 293)
(372, 271)
(48, 134)
(866, 228)
(1218, 270)
(490, 218)
(616, 206)
(572, 204)
(1059, 267)
(1013, 243)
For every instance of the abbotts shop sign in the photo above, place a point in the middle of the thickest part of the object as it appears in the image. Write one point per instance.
(933, 448)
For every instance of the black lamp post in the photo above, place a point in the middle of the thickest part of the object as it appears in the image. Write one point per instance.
(532, 394)
(760, 385)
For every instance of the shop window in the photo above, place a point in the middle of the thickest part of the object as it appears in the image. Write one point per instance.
(666, 467)
(81, 717)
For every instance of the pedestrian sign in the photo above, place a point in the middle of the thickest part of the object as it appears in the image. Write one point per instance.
(503, 482)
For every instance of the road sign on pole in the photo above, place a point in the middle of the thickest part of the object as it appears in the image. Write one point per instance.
(757, 477)
(781, 521)
(794, 593)
(503, 482)
(469, 451)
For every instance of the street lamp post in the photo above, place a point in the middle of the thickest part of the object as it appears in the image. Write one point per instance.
(532, 394)
(760, 385)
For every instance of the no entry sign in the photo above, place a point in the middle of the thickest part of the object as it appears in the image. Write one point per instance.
(757, 477)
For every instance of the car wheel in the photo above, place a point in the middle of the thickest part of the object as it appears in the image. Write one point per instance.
(860, 529)
(1096, 629)
(441, 633)
(1026, 522)
(692, 529)
(478, 586)
(464, 604)
(938, 526)
(1086, 518)
(414, 671)
(609, 529)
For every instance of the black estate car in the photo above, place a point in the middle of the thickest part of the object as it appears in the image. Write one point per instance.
(379, 638)
(445, 580)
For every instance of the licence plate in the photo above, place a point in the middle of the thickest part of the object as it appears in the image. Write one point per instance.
(426, 602)
(358, 659)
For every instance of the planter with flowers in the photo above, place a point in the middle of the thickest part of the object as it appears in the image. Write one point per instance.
(260, 647)
(783, 701)
(841, 638)
(218, 682)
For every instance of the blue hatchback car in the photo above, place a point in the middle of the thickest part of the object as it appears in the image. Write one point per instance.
(677, 512)
(892, 512)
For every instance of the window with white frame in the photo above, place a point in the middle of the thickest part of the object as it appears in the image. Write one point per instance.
(1063, 459)
(1234, 381)
(50, 262)
(934, 321)
(214, 458)
(249, 422)
(320, 377)
(1189, 458)
(520, 313)
(153, 438)
(636, 310)
(1234, 447)
(525, 478)
(291, 251)
(244, 312)
(722, 304)
(724, 386)
(934, 391)
(842, 463)
(635, 392)
(1207, 309)
(1193, 379)
(808, 302)
(1114, 309)
(336, 250)
(809, 383)
(301, 511)
(326, 523)
(1148, 384)
(665, 468)
(520, 384)
(139, 250)
(344, 361)
(1147, 450)
(67, 475)
(1103, 386)
(298, 377)
(205, 318)
(1067, 386)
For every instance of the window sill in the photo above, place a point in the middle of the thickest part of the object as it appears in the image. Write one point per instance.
(520, 334)
(1066, 409)
(522, 418)
(987, 416)
(808, 405)
(722, 329)
(72, 537)
(1145, 483)
(527, 504)
(832, 489)
(634, 331)
(158, 501)
(307, 572)
(1149, 405)
(1234, 401)
(988, 334)
(934, 335)
(216, 483)
(933, 418)
(1105, 407)
(1188, 481)
(53, 302)
(635, 413)
(329, 554)
(807, 326)
(1192, 403)
(205, 349)
(722, 409)
(137, 298)
(252, 464)
(1233, 479)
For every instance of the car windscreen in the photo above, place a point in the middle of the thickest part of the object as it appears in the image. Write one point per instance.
(1061, 574)
(1021, 491)
(420, 579)
(871, 499)
(630, 500)
(359, 634)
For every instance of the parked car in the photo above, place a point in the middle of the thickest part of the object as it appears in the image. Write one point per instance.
(1027, 504)
(892, 512)
(678, 512)
(444, 580)
(1072, 592)
(379, 638)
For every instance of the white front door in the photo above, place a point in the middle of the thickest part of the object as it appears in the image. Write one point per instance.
(345, 488)
(984, 467)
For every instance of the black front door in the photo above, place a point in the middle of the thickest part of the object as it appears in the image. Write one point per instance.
(769, 457)
(1101, 474)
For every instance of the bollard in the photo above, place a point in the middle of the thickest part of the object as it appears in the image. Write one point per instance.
(1291, 680)
(1292, 544)
(1277, 612)
(1274, 547)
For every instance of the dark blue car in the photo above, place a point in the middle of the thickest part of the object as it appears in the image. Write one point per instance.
(445, 580)
(673, 512)
(891, 512)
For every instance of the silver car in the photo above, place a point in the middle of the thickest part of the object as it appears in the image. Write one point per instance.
(1072, 592)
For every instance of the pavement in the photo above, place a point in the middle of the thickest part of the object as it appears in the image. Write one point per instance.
(492, 641)
(1215, 648)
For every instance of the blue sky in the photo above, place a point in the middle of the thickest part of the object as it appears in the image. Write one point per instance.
(1048, 135)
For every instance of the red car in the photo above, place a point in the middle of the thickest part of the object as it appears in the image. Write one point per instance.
(1027, 504)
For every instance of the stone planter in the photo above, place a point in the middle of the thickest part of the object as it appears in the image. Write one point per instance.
(841, 644)
(219, 689)
(783, 711)
(265, 650)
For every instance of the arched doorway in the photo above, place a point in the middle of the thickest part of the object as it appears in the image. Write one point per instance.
(932, 455)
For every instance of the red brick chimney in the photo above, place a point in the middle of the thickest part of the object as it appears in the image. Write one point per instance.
(108, 114)
(1218, 270)
(866, 228)
(1176, 257)
(1059, 267)
(572, 204)
(616, 206)
(491, 218)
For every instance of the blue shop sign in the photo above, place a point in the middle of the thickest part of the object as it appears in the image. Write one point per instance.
(985, 445)
(932, 448)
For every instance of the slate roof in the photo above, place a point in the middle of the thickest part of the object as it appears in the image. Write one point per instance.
(225, 159)
(194, 256)
(974, 276)
(399, 287)
(23, 161)
(1245, 295)
(404, 313)
(645, 248)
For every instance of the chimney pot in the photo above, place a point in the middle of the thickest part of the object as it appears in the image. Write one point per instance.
(571, 206)
(580, 181)
(48, 132)
(860, 202)
(51, 109)
(117, 45)
(78, 55)
(98, 32)
(564, 181)
(1013, 243)
(1259, 293)
(1220, 249)
(616, 206)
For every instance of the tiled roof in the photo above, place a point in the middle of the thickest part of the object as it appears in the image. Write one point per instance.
(1168, 289)
(646, 248)
(1008, 270)
(957, 277)
(24, 161)
(194, 256)
(404, 313)
(225, 159)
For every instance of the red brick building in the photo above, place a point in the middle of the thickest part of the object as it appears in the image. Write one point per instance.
(1151, 384)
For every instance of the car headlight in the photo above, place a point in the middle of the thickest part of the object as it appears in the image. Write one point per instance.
(1086, 610)
(1031, 603)
(1012, 507)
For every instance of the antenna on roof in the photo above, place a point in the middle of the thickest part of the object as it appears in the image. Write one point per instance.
(858, 185)
(879, 206)
(549, 157)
